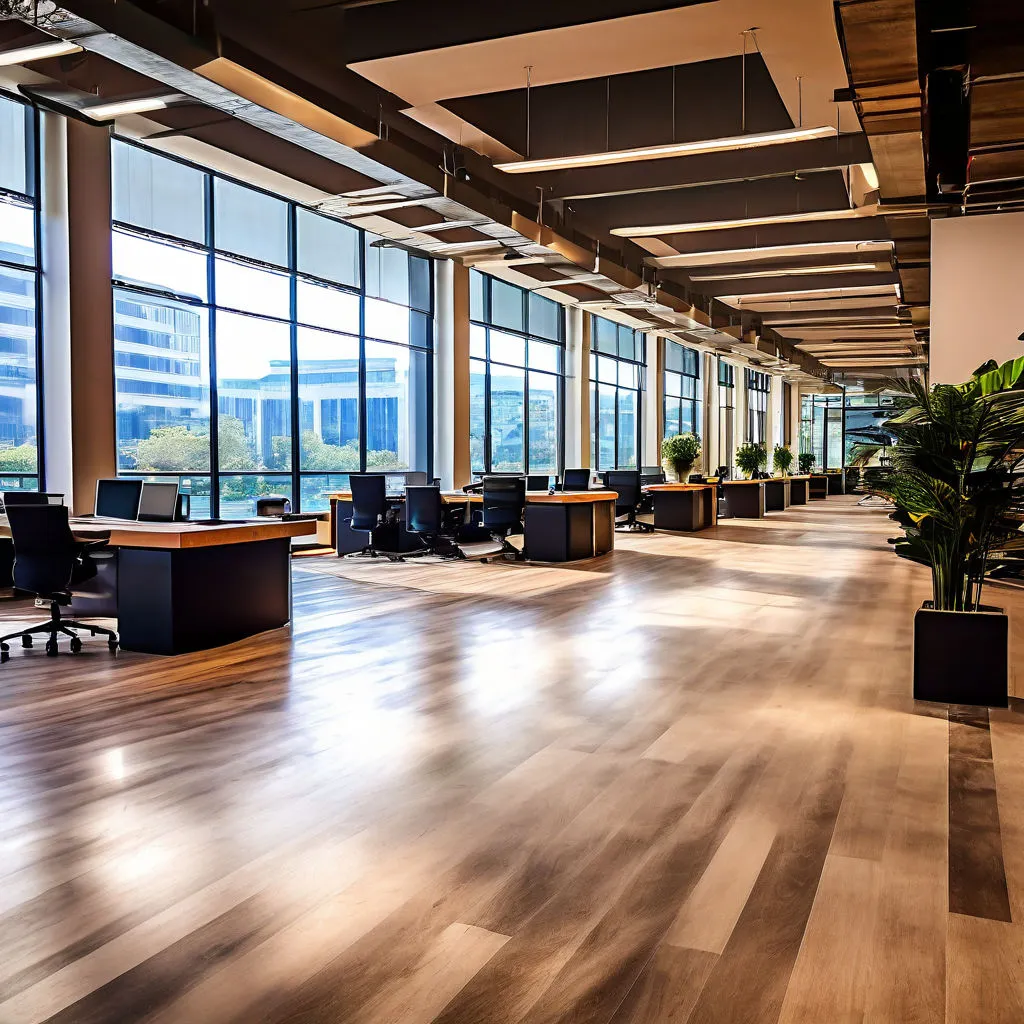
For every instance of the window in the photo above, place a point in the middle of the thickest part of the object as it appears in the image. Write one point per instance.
(517, 384)
(616, 389)
(726, 414)
(682, 390)
(249, 360)
(20, 411)
(758, 387)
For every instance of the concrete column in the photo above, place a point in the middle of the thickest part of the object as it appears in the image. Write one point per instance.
(654, 401)
(451, 374)
(93, 396)
(709, 382)
(577, 388)
(56, 376)
(739, 429)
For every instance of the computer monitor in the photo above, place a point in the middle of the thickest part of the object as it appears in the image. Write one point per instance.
(118, 499)
(158, 503)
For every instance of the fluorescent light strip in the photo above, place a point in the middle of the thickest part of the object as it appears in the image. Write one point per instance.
(854, 291)
(627, 156)
(24, 54)
(767, 252)
(690, 227)
(845, 268)
(118, 108)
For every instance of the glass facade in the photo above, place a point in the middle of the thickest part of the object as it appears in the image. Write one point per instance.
(516, 379)
(616, 390)
(726, 414)
(758, 388)
(683, 406)
(20, 412)
(260, 348)
(831, 426)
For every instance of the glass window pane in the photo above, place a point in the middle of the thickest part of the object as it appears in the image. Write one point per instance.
(252, 289)
(420, 296)
(507, 398)
(15, 121)
(627, 347)
(238, 494)
(594, 425)
(673, 384)
(545, 317)
(17, 231)
(607, 371)
(18, 369)
(505, 348)
(605, 335)
(253, 393)
(627, 375)
(543, 423)
(154, 192)
(326, 248)
(396, 407)
(328, 401)
(627, 429)
(387, 321)
(476, 296)
(506, 305)
(321, 306)
(387, 271)
(478, 341)
(162, 265)
(250, 223)
(477, 414)
(671, 417)
(316, 488)
(606, 419)
(543, 356)
(162, 375)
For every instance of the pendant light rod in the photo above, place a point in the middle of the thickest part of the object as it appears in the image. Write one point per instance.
(529, 79)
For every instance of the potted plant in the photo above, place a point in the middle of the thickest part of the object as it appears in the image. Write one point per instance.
(750, 457)
(805, 460)
(681, 452)
(782, 459)
(956, 474)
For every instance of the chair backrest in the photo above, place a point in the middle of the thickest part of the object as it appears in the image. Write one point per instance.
(416, 478)
(537, 482)
(504, 501)
(576, 480)
(44, 548)
(722, 473)
(423, 509)
(32, 498)
(626, 484)
(652, 475)
(697, 478)
(369, 500)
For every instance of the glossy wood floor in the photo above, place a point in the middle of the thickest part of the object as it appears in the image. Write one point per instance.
(684, 782)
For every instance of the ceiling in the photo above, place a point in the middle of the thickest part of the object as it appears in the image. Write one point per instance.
(395, 112)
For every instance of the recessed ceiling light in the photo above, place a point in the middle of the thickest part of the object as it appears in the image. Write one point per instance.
(687, 227)
(843, 268)
(118, 108)
(626, 156)
(24, 54)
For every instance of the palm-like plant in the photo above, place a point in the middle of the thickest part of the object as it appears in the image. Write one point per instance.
(957, 467)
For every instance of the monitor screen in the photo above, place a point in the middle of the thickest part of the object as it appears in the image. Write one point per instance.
(118, 499)
(158, 502)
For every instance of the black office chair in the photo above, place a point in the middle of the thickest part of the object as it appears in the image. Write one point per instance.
(48, 562)
(697, 478)
(722, 473)
(652, 475)
(370, 509)
(416, 479)
(537, 482)
(503, 507)
(576, 480)
(425, 517)
(626, 484)
(32, 498)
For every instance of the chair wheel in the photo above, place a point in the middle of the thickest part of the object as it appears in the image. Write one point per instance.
(76, 645)
(26, 641)
(51, 648)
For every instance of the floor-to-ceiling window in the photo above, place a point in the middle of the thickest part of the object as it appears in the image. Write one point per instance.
(726, 413)
(616, 389)
(516, 378)
(833, 427)
(758, 387)
(260, 347)
(20, 410)
(683, 404)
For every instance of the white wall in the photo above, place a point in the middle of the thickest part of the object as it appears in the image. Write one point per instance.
(977, 293)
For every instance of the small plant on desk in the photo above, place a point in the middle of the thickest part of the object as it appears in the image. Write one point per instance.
(750, 457)
(681, 452)
(782, 459)
(806, 462)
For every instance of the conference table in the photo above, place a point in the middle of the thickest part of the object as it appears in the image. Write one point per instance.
(562, 527)
(684, 506)
(192, 586)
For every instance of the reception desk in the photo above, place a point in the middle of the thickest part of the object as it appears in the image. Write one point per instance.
(684, 506)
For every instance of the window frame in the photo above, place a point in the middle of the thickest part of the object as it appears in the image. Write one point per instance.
(757, 384)
(695, 402)
(595, 385)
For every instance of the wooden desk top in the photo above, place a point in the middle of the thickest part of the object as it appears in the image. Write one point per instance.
(680, 487)
(532, 497)
(191, 535)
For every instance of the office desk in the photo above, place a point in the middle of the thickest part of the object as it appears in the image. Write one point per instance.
(817, 487)
(776, 494)
(744, 499)
(798, 489)
(560, 527)
(684, 506)
(188, 587)
(836, 481)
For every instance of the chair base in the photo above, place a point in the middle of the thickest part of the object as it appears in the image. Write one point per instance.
(371, 552)
(633, 525)
(56, 626)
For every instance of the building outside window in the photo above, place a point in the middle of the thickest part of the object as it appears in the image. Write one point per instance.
(260, 347)
(832, 426)
(20, 400)
(616, 390)
(516, 379)
(682, 390)
(758, 388)
(726, 414)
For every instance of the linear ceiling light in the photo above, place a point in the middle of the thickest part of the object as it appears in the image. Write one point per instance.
(844, 268)
(767, 252)
(804, 294)
(24, 54)
(118, 108)
(688, 227)
(628, 156)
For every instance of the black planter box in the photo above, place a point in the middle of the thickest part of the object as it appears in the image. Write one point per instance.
(961, 657)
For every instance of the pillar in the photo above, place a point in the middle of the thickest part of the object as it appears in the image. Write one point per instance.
(653, 399)
(577, 388)
(451, 375)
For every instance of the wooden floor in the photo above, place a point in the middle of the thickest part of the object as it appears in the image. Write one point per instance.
(681, 783)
